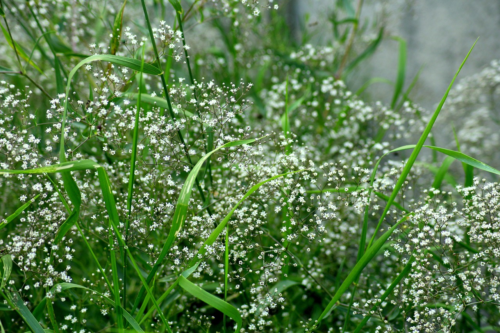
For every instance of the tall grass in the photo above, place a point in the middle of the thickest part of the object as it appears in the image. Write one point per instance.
(251, 244)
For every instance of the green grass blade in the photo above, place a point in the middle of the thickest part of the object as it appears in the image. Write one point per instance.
(365, 54)
(56, 168)
(17, 48)
(416, 151)
(358, 268)
(447, 177)
(17, 212)
(372, 81)
(7, 269)
(156, 101)
(17, 303)
(114, 44)
(468, 169)
(388, 291)
(285, 122)
(394, 203)
(441, 173)
(210, 299)
(226, 272)
(177, 6)
(400, 78)
(67, 225)
(116, 284)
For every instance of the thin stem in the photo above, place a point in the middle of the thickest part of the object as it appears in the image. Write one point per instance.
(351, 40)
(116, 286)
(38, 86)
(13, 41)
(226, 272)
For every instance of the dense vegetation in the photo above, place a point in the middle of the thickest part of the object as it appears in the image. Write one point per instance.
(206, 166)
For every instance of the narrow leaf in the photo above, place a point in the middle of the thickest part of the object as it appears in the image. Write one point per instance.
(7, 269)
(17, 212)
(210, 299)
(117, 30)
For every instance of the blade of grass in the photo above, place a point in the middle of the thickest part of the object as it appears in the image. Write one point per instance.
(116, 285)
(114, 43)
(400, 78)
(18, 211)
(18, 49)
(7, 269)
(17, 303)
(365, 54)
(210, 299)
(226, 273)
(372, 81)
(416, 151)
(388, 291)
(468, 169)
(443, 169)
(357, 269)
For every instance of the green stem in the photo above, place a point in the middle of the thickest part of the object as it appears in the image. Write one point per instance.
(116, 289)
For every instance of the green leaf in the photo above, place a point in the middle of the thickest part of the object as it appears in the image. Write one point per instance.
(447, 177)
(7, 269)
(210, 299)
(358, 268)
(416, 151)
(285, 122)
(394, 203)
(156, 101)
(25, 313)
(131, 320)
(441, 173)
(56, 168)
(17, 212)
(2, 14)
(400, 79)
(457, 155)
(177, 6)
(372, 81)
(388, 291)
(349, 8)
(366, 53)
(19, 49)
(59, 78)
(66, 226)
(117, 30)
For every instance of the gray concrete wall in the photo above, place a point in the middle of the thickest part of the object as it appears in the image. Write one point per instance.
(438, 32)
